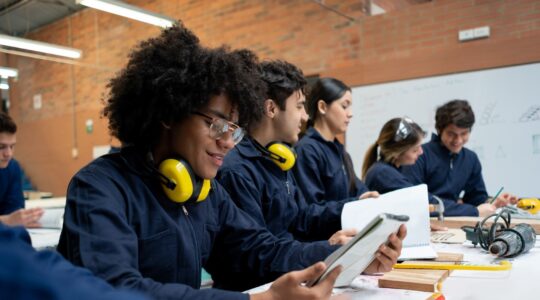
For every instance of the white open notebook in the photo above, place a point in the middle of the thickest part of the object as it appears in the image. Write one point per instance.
(52, 218)
(51, 225)
(413, 202)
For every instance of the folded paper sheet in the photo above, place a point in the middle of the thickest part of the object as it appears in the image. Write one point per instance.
(412, 201)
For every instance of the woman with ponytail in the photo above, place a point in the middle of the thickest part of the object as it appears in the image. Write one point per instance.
(399, 144)
(324, 169)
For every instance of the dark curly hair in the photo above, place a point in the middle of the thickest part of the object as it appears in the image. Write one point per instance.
(170, 76)
(457, 112)
(7, 124)
(282, 79)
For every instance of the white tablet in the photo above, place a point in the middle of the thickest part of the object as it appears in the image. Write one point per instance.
(359, 252)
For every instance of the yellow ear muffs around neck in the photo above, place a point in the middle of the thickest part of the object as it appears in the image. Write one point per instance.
(283, 155)
(182, 185)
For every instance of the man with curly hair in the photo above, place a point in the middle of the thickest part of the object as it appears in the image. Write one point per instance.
(150, 217)
(449, 168)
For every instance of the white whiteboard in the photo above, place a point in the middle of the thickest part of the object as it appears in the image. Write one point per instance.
(506, 135)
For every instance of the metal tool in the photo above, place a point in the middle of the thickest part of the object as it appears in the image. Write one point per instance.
(511, 242)
(437, 208)
(532, 205)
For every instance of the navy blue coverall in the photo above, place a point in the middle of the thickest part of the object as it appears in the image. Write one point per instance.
(119, 224)
(448, 174)
(320, 170)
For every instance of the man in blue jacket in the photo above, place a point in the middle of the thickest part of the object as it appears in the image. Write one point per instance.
(12, 210)
(257, 175)
(448, 168)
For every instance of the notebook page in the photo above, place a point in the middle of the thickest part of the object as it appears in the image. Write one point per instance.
(412, 201)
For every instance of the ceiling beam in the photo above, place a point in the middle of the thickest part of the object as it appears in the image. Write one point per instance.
(13, 6)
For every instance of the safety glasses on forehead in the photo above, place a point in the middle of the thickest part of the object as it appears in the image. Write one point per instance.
(404, 129)
(219, 127)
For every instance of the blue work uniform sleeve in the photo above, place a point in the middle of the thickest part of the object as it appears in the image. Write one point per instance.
(384, 179)
(416, 173)
(14, 198)
(243, 248)
(316, 221)
(104, 241)
(244, 194)
(361, 188)
(28, 274)
(454, 209)
(307, 174)
(475, 189)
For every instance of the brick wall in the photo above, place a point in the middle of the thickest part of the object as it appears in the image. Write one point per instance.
(412, 42)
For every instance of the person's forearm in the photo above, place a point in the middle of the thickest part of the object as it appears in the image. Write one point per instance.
(260, 296)
(5, 219)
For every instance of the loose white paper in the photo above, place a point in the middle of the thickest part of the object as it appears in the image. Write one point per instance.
(413, 202)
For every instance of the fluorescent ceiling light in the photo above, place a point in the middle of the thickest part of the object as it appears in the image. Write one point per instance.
(129, 11)
(8, 72)
(4, 86)
(26, 44)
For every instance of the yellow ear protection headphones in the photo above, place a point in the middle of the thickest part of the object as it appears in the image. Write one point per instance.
(180, 183)
(281, 154)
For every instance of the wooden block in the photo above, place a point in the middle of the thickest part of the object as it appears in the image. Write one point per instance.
(31, 195)
(448, 256)
(445, 257)
(420, 280)
(46, 203)
(417, 280)
(457, 222)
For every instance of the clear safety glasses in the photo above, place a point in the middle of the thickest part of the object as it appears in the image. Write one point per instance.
(219, 127)
(404, 129)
